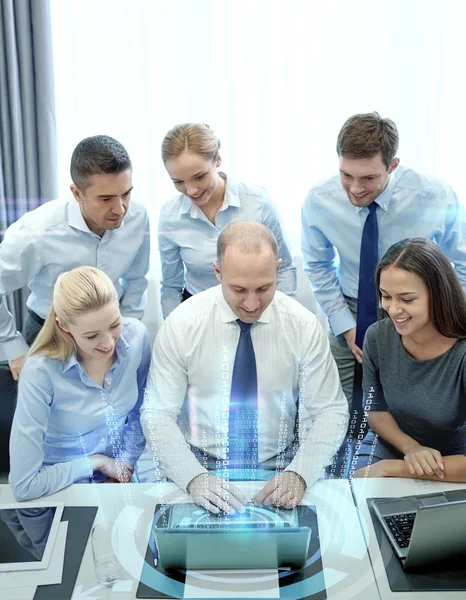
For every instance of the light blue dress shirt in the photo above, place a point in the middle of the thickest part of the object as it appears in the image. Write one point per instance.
(54, 238)
(63, 416)
(412, 205)
(188, 240)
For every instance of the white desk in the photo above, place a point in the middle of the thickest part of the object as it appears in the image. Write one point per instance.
(374, 488)
(347, 568)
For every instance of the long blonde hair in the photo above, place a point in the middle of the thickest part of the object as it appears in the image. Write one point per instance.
(197, 138)
(76, 292)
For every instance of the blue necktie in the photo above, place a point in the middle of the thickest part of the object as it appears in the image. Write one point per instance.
(367, 294)
(242, 425)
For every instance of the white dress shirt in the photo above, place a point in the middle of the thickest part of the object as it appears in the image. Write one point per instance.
(190, 381)
(188, 240)
(53, 239)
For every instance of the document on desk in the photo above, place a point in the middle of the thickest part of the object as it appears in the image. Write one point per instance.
(51, 575)
(22, 593)
(260, 583)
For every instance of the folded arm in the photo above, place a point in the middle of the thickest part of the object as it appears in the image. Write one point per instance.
(384, 424)
(454, 470)
(29, 479)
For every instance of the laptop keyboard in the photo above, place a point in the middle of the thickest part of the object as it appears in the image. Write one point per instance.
(188, 516)
(229, 525)
(401, 527)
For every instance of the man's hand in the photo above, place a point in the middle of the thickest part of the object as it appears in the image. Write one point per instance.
(116, 470)
(16, 366)
(285, 489)
(350, 337)
(424, 461)
(215, 494)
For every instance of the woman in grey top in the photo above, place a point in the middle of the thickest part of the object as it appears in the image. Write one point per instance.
(415, 369)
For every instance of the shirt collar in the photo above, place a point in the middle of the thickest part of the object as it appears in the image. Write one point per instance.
(76, 220)
(75, 217)
(121, 350)
(227, 315)
(185, 206)
(231, 198)
(383, 200)
(231, 192)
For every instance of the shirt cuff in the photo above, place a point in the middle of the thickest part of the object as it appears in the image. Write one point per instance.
(310, 475)
(15, 348)
(184, 479)
(82, 467)
(342, 321)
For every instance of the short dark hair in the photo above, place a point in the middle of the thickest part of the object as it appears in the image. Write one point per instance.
(365, 135)
(447, 298)
(97, 155)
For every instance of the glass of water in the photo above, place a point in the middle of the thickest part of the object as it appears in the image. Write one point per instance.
(107, 568)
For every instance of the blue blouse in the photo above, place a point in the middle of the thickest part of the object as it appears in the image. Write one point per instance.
(188, 240)
(63, 416)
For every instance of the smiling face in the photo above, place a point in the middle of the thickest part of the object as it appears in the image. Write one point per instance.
(406, 299)
(364, 179)
(96, 333)
(248, 281)
(105, 201)
(197, 178)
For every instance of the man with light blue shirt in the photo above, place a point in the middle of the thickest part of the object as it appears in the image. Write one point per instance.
(342, 241)
(97, 227)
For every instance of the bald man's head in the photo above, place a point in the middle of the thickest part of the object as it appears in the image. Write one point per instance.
(247, 267)
(248, 236)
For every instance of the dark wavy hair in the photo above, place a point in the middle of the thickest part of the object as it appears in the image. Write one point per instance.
(447, 298)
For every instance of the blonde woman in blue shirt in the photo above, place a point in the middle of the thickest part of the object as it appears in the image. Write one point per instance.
(80, 391)
(207, 202)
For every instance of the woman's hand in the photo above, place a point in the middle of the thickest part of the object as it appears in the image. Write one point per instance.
(424, 461)
(378, 469)
(116, 470)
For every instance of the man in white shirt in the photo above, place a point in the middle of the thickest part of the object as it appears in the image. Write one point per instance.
(187, 415)
(99, 227)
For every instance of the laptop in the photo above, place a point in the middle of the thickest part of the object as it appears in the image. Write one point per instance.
(189, 537)
(426, 528)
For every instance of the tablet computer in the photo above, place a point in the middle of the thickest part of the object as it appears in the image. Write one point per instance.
(27, 534)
